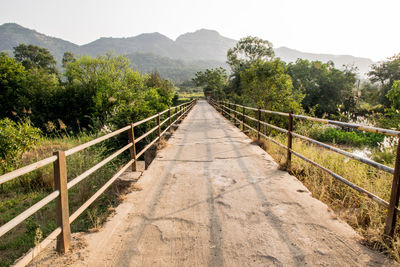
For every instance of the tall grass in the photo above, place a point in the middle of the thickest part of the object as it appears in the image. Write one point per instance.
(21, 193)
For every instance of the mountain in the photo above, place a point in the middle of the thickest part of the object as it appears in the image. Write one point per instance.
(175, 69)
(205, 44)
(12, 35)
(189, 53)
(291, 55)
(155, 43)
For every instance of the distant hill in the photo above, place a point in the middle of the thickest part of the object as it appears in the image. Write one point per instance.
(205, 45)
(154, 43)
(175, 69)
(176, 60)
(12, 35)
(291, 55)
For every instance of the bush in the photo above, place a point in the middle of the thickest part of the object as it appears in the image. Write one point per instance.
(15, 139)
(342, 137)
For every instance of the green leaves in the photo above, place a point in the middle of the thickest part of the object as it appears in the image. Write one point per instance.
(325, 87)
(394, 95)
(32, 56)
(15, 139)
(213, 81)
(266, 84)
(248, 50)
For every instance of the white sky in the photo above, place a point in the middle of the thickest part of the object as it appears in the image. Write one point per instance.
(357, 27)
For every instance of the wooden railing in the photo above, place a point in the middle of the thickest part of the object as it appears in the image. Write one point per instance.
(230, 109)
(60, 194)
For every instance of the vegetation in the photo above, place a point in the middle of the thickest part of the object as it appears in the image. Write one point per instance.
(325, 87)
(43, 110)
(212, 80)
(21, 193)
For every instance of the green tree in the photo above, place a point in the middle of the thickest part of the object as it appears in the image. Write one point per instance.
(12, 82)
(324, 86)
(213, 81)
(266, 84)
(248, 50)
(385, 73)
(394, 95)
(67, 58)
(108, 91)
(15, 139)
(32, 56)
(164, 87)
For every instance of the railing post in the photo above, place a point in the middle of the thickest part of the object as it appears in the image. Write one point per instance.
(234, 114)
(132, 149)
(159, 127)
(169, 116)
(258, 123)
(62, 211)
(229, 111)
(243, 118)
(289, 144)
(394, 196)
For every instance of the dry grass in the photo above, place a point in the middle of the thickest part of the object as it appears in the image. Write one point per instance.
(363, 214)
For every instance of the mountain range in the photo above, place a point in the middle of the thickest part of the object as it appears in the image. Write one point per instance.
(177, 60)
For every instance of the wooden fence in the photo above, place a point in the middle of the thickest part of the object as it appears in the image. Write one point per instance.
(60, 194)
(230, 109)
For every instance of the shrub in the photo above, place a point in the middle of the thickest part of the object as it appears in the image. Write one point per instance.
(15, 139)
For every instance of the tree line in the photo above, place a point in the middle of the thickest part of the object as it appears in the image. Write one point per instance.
(258, 78)
(90, 94)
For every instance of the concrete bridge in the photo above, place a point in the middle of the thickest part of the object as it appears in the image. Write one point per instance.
(212, 198)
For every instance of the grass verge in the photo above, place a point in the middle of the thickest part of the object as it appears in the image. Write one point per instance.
(21, 193)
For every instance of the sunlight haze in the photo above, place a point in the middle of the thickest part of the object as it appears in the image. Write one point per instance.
(359, 28)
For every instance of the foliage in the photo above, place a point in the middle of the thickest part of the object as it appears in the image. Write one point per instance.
(353, 138)
(32, 56)
(12, 81)
(23, 192)
(394, 95)
(213, 81)
(165, 89)
(266, 84)
(15, 139)
(248, 50)
(67, 58)
(324, 86)
(385, 73)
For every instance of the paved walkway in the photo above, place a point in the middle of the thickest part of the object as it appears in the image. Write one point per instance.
(211, 198)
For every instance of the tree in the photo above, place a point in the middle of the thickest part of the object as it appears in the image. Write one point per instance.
(67, 58)
(164, 87)
(394, 95)
(12, 84)
(266, 84)
(32, 56)
(385, 72)
(213, 81)
(324, 86)
(248, 50)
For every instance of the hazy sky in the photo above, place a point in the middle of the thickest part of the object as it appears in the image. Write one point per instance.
(356, 27)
